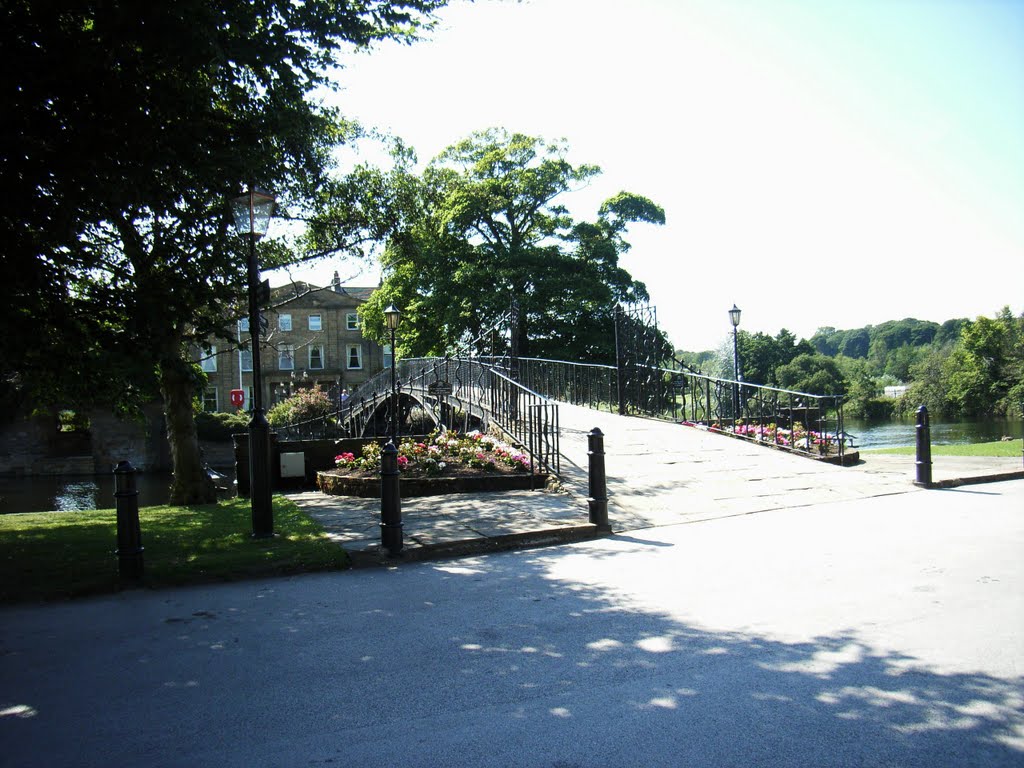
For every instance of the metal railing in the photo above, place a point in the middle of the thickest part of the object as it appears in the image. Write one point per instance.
(463, 391)
(452, 393)
(805, 423)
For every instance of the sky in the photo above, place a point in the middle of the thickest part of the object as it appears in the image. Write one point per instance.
(820, 162)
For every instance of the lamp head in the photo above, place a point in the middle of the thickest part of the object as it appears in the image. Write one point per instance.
(734, 316)
(392, 317)
(252, 212)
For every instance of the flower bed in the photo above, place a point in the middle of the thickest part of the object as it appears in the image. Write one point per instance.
(445, 462)
(798, 439)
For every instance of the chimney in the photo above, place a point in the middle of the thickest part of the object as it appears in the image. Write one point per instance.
(336, 283)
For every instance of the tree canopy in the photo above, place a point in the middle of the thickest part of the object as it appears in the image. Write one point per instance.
(483, 227)
(126, 129)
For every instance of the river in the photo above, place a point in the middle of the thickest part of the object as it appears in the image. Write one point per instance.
(897, 434)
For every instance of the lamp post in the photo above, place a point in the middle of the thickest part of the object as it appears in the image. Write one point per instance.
(391, 319)
(252, 212)
(734, 318)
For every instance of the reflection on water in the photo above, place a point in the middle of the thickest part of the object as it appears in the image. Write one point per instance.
(895, 434)
(70, 493)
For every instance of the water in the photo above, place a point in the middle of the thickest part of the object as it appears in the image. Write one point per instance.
(901, 433)
(71, 493)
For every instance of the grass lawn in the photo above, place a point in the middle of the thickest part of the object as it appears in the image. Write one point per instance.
(55, 555)
(1007, 448)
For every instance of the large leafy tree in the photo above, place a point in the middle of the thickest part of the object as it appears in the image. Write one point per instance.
(483, 227)
(126, 126)
(761, 355)
(813, 373)
(984, 373)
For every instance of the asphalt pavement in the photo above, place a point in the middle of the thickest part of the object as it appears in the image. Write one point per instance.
(886, 631)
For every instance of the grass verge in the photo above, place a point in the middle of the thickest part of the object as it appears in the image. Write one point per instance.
(1000, 448)
(57, 555)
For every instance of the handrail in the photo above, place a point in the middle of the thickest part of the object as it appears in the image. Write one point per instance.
(476, 395)
(798, 421)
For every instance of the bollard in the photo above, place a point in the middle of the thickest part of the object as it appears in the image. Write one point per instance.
(598, 485)
(390, 501)
(129, 534)
(924, 449)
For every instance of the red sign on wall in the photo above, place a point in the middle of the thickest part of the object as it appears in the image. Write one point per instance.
(237, 398)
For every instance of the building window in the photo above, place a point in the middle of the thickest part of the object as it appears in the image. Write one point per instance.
(286, 357)
(210, 399)
(315, 323)
(284, 322)
(243, 326)
(316, 357)
(245, 359)
(352, 321)
(387, 355)
(355, 356)
(209, 361)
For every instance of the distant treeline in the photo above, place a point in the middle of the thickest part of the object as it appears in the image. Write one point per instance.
(891, 335)
(959, 368)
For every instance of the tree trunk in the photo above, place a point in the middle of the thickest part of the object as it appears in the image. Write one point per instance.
(191, 484)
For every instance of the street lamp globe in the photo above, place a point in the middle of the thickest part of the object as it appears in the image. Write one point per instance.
(734, 316)
(252, 212)
(392, 316)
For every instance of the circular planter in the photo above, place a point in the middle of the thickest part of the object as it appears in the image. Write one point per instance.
(335, 483)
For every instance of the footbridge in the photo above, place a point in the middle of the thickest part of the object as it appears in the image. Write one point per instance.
(548, 406)
(526, 398)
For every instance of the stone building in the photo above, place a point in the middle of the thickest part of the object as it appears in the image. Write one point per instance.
(314, 338)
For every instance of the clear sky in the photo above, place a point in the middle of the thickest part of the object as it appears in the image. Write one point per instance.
(821, 162)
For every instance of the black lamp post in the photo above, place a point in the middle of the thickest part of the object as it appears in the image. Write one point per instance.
(252, 212)
(391, 319)
(734, 318)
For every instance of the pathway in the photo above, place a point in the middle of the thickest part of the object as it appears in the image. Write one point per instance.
(659, 474)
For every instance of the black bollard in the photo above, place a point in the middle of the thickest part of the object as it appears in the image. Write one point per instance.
(598, 484)
(390, 501)
(924, 449)
(129, 533)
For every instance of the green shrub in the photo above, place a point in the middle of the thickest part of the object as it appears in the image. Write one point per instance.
(220, 426)
(304, 405)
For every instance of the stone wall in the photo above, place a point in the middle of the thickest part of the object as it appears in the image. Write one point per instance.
(33, 445)
(26, 445)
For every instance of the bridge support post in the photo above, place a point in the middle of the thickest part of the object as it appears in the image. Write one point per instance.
(598, 484)
(390, 502)
(924, 449)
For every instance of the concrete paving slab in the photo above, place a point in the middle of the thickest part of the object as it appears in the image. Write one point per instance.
(658, 474)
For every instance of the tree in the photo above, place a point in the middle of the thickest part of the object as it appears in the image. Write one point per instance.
(125, 128)
(814, 374)
(979, 372)
(482, 228)
(761, 356)
(856, 343)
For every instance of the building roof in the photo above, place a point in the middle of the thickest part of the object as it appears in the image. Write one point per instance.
(307, 293)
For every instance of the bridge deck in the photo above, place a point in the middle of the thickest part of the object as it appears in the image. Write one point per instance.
(661, 473)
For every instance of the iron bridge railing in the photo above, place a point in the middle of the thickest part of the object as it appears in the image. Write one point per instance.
(801, 422)
(453, 393)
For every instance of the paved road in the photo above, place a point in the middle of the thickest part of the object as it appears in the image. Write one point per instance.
(867, 632)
